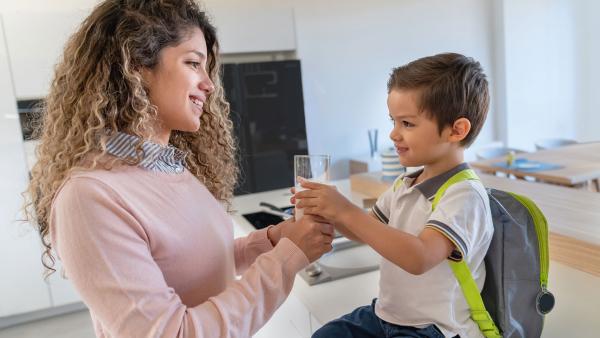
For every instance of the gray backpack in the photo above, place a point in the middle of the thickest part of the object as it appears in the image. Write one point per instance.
(514, 298)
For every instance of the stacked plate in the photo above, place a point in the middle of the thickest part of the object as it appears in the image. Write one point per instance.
(390, 163)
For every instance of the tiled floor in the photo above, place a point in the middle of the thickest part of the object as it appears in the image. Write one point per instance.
(72, 325)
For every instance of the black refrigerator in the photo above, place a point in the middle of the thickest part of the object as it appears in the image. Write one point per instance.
(267, 110)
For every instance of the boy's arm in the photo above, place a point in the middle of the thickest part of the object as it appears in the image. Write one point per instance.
(415, 254)
(347, 233)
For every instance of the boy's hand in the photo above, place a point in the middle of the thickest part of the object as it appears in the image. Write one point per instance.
(322, 200)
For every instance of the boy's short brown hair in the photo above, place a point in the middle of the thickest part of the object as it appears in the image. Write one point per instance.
(451, 86)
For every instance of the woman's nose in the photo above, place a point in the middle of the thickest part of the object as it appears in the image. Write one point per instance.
(206, 84)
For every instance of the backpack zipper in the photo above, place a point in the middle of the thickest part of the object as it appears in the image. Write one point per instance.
(541, 229)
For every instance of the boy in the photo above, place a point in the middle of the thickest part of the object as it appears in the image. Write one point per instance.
(438, 105)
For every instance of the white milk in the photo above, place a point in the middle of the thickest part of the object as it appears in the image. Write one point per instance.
(298, 212)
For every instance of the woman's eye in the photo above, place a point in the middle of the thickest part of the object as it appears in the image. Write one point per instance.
(194, 64)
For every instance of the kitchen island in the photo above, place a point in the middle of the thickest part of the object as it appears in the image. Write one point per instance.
(322, 302)
(308, 307)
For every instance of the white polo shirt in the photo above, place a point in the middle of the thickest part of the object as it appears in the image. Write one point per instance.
(435, 297)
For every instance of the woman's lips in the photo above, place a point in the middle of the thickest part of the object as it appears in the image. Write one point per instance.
(197, 104)
(196, 101)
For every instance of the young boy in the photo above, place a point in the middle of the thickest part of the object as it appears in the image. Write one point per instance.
(438, 105)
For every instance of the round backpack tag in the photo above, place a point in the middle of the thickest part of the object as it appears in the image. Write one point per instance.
(544, 302)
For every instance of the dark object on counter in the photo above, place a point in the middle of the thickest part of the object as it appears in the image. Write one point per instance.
(262, 219)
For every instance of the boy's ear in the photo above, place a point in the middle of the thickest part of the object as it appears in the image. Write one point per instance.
(460, 129)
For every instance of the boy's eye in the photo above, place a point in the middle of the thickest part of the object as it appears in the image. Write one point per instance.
(407, 124)
(392, 119)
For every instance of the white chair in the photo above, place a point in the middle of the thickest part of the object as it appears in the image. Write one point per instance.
(552, 143)
(487, 153)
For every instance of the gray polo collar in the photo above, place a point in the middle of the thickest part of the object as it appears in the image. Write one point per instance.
(429, 187)
(155, 156)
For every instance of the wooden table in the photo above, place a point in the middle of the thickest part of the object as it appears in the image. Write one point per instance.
(580, 164)
(573, 215)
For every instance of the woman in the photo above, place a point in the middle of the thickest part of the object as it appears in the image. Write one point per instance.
(140, 225)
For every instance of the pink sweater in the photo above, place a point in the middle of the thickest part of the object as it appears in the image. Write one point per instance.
(153, 255)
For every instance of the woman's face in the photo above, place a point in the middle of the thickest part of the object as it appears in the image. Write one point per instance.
(179, 85)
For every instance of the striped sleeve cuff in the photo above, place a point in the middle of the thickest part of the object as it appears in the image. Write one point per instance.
(380, 215)
(459, 243)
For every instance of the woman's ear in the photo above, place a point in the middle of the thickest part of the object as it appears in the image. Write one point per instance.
(460, 130)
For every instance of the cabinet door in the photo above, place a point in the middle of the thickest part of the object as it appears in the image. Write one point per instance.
(273, 113)
(35, 41)
(291, 320)
(22, 287)
(247, 28)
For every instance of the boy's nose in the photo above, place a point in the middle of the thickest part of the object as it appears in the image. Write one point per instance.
(395, 135)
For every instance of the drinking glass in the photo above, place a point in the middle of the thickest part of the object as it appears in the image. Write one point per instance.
(313, 168)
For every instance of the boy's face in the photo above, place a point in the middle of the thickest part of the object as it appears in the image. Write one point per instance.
(416, 137)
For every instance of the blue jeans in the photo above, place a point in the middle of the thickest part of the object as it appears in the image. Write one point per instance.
(363, 323)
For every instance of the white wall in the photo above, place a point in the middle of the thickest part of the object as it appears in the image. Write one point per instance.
(551, 52)
(348, 49)
(9, 6)
(587, 49)
(539, 71)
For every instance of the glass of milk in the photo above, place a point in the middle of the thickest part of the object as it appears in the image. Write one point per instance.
(313, 168)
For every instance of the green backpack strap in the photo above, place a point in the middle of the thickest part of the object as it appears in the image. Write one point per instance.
(462, 273)
(464, 175)
(478, 312)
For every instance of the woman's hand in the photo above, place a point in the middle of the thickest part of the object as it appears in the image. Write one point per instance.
(274, 231)
(322, 200)
(312, 237)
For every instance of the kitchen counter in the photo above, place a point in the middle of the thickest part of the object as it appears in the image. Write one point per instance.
(576, 291)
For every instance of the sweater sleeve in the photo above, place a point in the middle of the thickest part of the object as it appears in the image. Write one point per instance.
(105, 254)
(248, 248)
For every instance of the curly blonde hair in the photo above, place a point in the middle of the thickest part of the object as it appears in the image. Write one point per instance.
(98, 90)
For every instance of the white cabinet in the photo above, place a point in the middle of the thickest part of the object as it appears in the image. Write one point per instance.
(35, 42)
(291, 320)
(36, 39)
(246, 28)
(22, 288)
